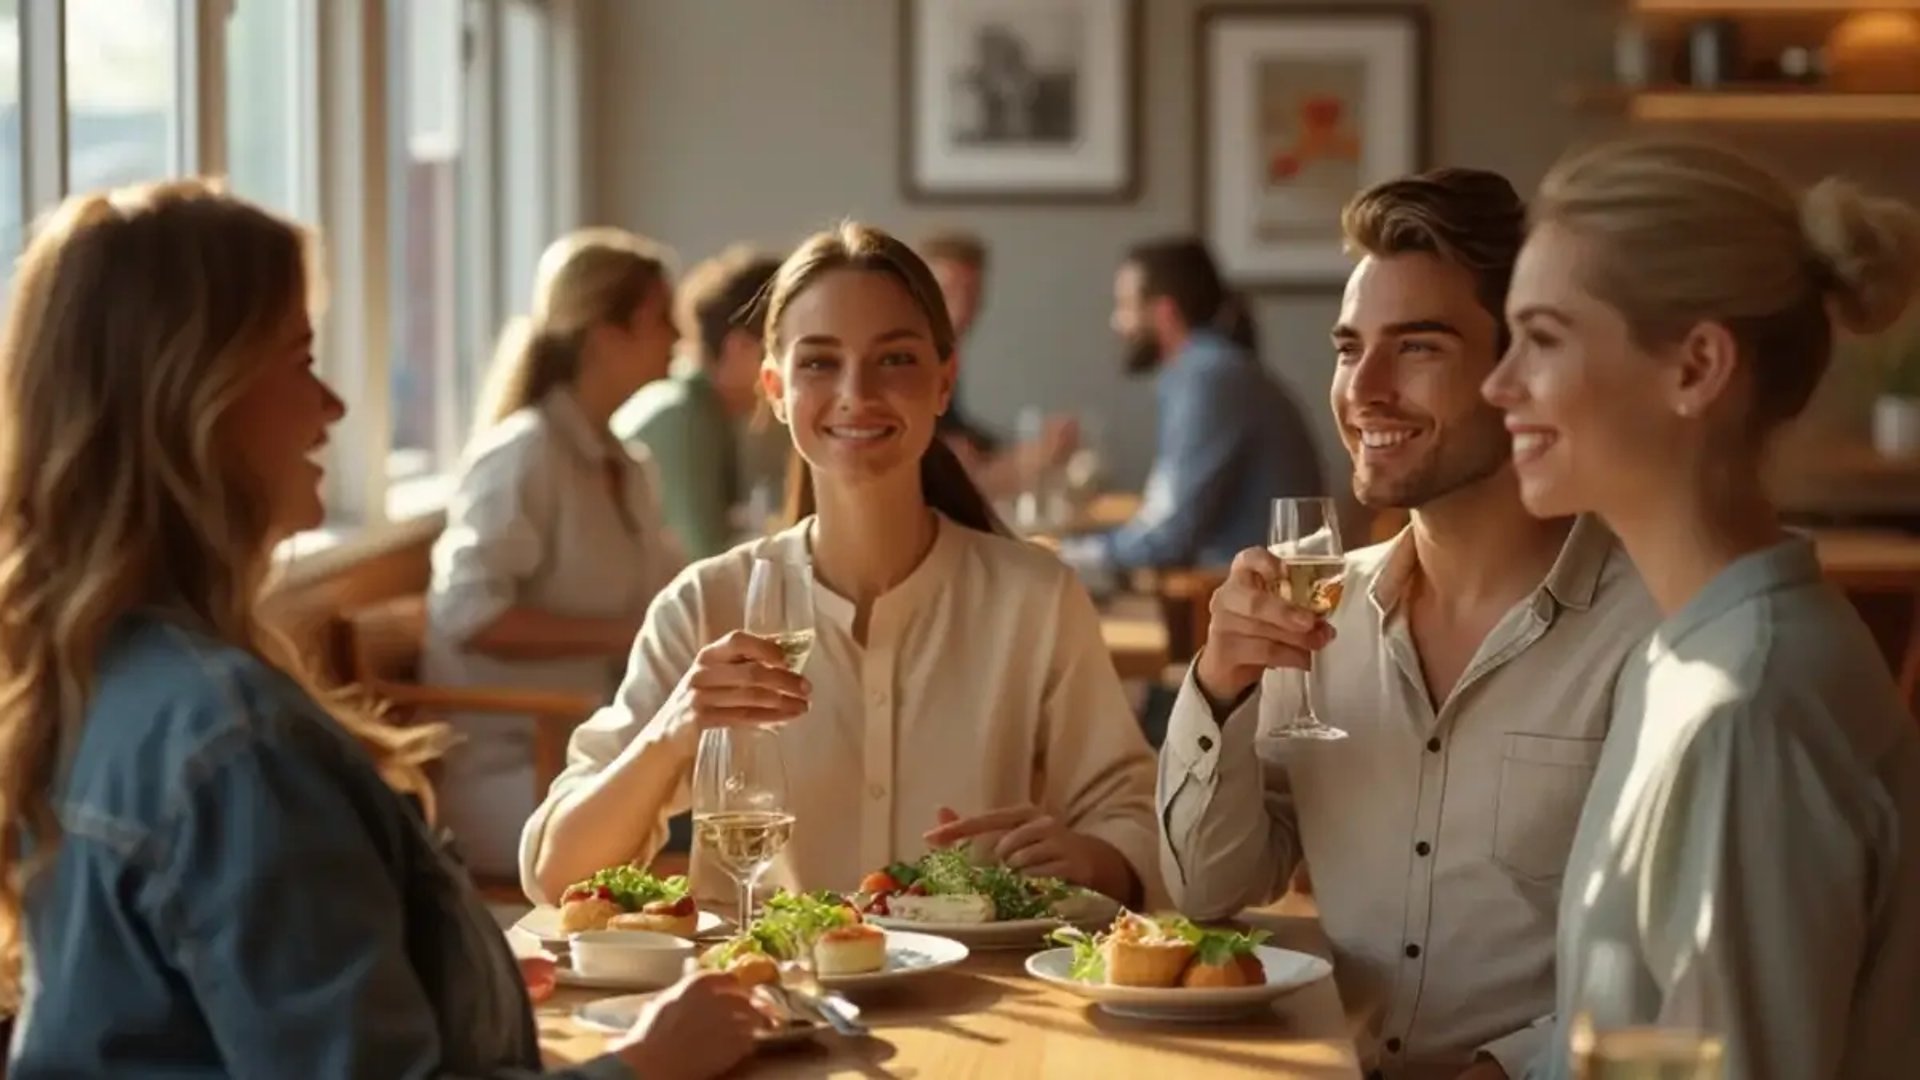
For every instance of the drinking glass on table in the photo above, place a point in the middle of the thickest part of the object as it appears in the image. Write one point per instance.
(1305, 537)
(740, 813)
(1609, 1038)
(780, 606)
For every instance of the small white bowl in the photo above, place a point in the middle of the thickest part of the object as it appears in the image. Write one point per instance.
(639, 957)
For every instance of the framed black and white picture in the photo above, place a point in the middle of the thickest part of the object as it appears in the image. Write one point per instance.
(1300, 109)
(1020, 100)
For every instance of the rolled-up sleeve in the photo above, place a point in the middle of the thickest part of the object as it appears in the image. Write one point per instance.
(633, 725)
(1229, 838)
(1098, 767)
(493, 539)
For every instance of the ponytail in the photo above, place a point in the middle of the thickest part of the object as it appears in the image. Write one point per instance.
(528, 364)
(944, 483)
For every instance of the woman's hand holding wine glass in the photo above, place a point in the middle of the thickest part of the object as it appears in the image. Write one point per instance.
(740, 679)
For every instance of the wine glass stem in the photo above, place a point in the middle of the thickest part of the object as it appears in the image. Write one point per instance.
(746, 897)
(1306, 693)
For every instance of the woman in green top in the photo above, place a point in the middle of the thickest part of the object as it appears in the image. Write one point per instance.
(1748, 860)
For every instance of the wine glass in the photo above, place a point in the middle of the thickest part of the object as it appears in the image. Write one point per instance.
(1306, 539)
(780, 606)
(740, 813)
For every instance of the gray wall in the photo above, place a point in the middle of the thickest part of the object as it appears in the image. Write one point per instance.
(713, 121)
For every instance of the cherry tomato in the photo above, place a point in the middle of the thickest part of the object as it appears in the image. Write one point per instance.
(917, 889)
(879, 882)
(878, 905)
(603, 893)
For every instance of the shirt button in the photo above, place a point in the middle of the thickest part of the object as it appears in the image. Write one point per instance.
(878, 791)
(1433, 744)
(1393, 1046)
(1206, 742)
(1422, 848)
(1413, 952)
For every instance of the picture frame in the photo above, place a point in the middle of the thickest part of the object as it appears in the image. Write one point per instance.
(1020, 101)
(1298, 109)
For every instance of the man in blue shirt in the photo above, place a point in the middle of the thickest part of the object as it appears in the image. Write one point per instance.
(1229, 436)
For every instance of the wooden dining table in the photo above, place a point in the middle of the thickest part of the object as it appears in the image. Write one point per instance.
(988, 1018)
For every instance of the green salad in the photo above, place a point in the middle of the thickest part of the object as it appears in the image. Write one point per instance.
(788, 926)
(949, 872)
(629, 886)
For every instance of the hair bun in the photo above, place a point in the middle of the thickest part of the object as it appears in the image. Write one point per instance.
(1869, 247)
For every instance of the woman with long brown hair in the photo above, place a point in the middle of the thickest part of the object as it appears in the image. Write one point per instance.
(1747, 863)
(958, 689)
(555, 540)
(207, 869)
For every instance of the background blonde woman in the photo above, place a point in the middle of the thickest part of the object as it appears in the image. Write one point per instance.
(1750, 846)
(555, 541)
(206, 871)
(956, 671)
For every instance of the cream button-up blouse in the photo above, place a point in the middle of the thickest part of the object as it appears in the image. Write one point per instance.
(984, 683)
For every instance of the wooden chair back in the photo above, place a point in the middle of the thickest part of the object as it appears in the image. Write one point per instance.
(380, 644)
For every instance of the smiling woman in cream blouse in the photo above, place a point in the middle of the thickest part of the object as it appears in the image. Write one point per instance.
(957, 673)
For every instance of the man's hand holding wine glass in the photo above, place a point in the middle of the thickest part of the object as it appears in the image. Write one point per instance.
(1251, 630)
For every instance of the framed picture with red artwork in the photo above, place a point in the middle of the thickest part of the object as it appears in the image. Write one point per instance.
(1299, 109)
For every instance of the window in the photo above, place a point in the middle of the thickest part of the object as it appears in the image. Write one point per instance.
(431, 349)
(384, 124)
(12, 205)
(123, 115)
(269, 69)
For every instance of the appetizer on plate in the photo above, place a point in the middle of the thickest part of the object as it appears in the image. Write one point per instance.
(821, 926)
(948, 888)
(1163, 952)
(629, 898)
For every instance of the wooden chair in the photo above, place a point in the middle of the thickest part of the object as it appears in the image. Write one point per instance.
(380, 645)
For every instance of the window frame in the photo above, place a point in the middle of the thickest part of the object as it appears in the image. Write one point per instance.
(343, 97)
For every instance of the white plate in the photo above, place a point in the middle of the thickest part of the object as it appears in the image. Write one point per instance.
(617, 1015)
(1011, 934)
(907, 955)
(544, 924)
(1287, 971)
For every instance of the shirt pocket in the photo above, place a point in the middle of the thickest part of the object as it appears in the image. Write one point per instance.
(1543, 784)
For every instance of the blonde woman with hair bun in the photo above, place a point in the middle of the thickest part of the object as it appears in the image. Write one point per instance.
(1749, 852)
(206, 869)
(555, 540)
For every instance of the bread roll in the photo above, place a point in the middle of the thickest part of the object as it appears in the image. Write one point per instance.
(1139, 963)
(1242, 970)
(850, 950)
(589, 914)
(681, 926)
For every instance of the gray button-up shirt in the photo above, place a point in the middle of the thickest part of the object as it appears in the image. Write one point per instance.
(1752, 840)
(1437, 835)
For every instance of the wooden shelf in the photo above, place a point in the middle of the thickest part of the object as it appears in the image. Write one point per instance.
(1770, 107)
(1681, 105)
(1769, 7)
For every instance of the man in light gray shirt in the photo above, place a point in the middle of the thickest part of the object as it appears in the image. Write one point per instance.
(1471, 661)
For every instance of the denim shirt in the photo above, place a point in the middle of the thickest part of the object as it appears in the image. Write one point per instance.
(237, 893)
(1230, 439)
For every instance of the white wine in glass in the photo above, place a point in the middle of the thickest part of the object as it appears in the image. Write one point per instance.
(740, 812)
(780, 607)
(1645, 1053)
(1305, 535)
